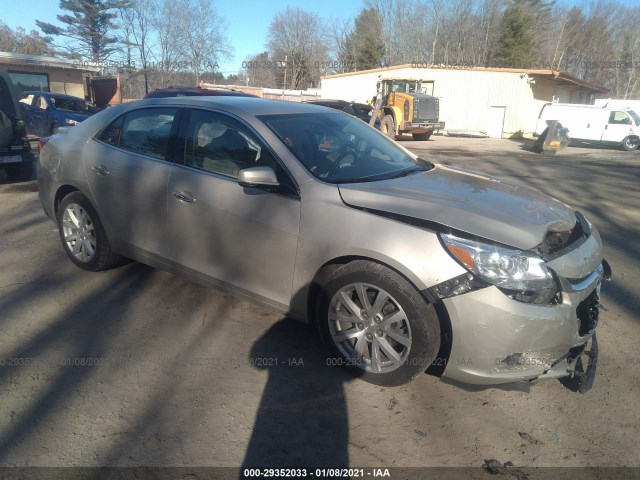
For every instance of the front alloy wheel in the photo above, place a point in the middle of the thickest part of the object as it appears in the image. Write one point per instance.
(376, 323)
(368, 325)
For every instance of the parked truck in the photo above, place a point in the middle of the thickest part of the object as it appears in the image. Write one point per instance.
(403, 107)
(618, 103)
(593, 124)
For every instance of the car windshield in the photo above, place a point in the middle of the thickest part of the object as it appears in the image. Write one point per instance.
(338, 148)
(73, 105)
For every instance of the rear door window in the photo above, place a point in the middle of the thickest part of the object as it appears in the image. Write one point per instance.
(147, 131)
(28, 100)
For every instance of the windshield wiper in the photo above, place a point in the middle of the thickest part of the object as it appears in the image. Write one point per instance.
(409, 171)
(355, 180)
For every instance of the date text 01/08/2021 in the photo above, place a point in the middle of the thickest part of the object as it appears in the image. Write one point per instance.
(316, 473)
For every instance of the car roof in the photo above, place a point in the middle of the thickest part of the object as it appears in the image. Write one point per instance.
(251, 105)
(52, 94)
(328, 100)
(194, 91)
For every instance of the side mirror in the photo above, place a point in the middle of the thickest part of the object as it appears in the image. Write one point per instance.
(258, 177)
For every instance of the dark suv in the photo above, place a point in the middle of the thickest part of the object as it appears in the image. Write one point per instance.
(16, 157)
(194, 92)
(358, 110)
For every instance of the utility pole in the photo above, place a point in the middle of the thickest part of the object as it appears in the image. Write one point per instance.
(284, 86)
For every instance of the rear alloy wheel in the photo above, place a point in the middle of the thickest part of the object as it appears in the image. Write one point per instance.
(630, 143)
(21, 172)
(388, 126)
(421, 136)
(83, 235)
(378, 324)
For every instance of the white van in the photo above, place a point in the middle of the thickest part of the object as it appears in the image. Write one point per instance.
(617, 103)
(593, 124)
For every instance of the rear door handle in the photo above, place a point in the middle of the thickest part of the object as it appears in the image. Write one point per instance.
(184, 197)
(101, 170)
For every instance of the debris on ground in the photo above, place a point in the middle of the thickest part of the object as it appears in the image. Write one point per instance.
(529, 438)
(467, 134)
(494, 467)
(554, 138)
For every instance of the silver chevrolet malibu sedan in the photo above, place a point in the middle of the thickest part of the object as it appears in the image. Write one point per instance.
(404, 266)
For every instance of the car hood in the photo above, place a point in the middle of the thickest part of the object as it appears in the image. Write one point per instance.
(477, 204)
(78, 117)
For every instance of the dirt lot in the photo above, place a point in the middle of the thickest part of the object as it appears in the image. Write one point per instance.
(137, 367)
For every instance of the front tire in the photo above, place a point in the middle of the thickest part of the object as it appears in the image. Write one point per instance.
(377, 324)
(421, 136)
(630, 143)
(83, 236)
(388, 126)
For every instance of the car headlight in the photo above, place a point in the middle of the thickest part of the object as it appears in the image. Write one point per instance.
(521, 275)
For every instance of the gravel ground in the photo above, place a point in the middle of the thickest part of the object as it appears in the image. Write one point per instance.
(138, 367)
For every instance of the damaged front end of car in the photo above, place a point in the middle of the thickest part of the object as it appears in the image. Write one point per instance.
(524, 315)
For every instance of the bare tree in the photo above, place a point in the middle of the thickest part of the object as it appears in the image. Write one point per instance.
(202, 32)
(137, 21)
(166, 53)
(261, 70)
(18, 41)
(343, 50)
(298, 38)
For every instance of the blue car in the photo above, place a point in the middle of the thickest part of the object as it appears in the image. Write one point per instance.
(45, 112)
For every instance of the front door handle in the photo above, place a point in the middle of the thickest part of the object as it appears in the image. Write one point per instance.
(184, 197)
(101, 170)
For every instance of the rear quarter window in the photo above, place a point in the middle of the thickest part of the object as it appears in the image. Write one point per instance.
(144, 131)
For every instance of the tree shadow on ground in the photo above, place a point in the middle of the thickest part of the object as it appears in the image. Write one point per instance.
(302, 419)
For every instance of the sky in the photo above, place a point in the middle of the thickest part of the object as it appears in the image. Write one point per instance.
(248, 20)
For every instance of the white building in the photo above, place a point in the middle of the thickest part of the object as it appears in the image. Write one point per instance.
(502, 102)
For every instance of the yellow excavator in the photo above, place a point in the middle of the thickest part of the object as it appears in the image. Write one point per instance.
(402, 107)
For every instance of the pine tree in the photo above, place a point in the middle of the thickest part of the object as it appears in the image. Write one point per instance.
(88, 25)
(364, 45)
(516, 40)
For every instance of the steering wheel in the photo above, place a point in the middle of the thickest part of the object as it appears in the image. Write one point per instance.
(336, 165)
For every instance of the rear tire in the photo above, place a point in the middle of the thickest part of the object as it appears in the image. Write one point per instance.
(388, 126)
(377, 324)
(83, 236)
(630, 143)
(23, 171)
(421, 136)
